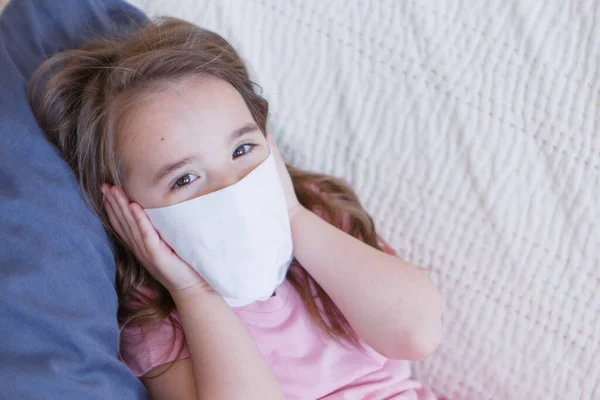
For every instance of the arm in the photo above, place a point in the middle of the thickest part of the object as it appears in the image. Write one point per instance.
(393, 306)
(172, 381)
(224, 363)
(390, 304)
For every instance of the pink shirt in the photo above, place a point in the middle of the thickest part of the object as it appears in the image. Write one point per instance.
(307, 363)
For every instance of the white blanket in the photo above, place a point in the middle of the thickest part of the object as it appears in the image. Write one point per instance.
(470, 131)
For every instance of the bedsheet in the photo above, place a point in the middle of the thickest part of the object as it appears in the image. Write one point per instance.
(469, 130)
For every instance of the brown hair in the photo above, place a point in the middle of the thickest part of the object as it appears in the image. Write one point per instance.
(73, 96)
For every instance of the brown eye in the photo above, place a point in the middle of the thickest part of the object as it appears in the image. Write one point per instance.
(240, 151)
(184, 181)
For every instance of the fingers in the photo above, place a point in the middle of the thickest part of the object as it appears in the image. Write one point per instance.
(131, 223)
(125, 214)
(274, 148)
(148, 234)
(157, 250)
(120, 217)
(113, 216)
(286, 180)
(271, 141)
(150, 240)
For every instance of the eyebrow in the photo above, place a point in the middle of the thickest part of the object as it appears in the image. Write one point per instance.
(167, 169)
(248, 128)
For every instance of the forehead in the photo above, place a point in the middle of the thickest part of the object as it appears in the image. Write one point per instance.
(197, 112)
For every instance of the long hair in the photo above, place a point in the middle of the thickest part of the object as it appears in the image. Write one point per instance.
(74, 96)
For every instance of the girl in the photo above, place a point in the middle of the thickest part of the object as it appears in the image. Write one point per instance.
(168, 114)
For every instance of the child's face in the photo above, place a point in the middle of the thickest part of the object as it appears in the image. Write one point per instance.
(189, 139)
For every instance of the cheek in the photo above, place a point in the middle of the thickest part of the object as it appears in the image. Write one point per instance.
(138, 194)
(134, 195)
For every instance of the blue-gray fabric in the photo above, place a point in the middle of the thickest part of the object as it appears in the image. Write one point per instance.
(58, 330)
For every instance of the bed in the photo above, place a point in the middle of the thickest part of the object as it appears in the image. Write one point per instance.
(470, 133)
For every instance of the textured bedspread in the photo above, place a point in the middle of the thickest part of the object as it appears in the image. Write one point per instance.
(470, 131)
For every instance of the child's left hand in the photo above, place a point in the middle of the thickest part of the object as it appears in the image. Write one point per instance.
(293, 205)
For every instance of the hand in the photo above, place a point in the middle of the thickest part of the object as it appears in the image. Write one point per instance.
(131, 223)
(293, 205)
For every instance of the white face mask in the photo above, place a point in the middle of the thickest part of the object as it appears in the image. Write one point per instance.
(237, 238)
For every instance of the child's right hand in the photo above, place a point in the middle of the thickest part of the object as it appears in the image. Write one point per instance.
(131, 223)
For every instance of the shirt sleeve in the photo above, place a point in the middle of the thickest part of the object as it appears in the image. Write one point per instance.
(146, 347)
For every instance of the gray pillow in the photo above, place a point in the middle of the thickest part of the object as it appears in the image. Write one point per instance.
(58, 330)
